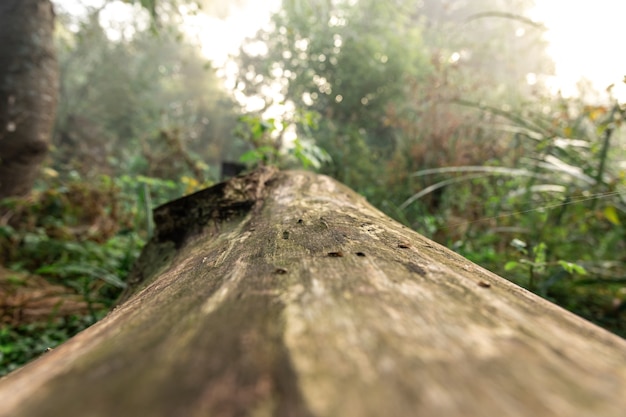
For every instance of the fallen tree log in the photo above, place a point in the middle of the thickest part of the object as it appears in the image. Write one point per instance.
(286, 294)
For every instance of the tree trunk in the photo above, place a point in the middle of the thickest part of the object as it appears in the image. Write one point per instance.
(28, 91)
(286, 294)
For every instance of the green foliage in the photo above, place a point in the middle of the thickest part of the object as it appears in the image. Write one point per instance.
(144, 104)
(382, 75)
(84, 236)
(560, 205)
(21, 344)
(266, 136)
(309, 155)
(344, 63)
(541, 273)
(260, 156)
(77, 234)
(258, 132)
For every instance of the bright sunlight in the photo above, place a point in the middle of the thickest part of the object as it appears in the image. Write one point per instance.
(585, 42)
(593, 53)
(584, 39)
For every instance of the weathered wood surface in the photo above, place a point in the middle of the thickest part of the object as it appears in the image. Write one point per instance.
(286, 294)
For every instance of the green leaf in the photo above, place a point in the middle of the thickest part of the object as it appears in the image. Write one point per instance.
(610, 212)
(252, 156)
(511, 265)
(540, 254)
(88, 270)
(573, 268)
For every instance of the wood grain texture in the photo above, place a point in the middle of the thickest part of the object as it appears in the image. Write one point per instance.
(310, 302)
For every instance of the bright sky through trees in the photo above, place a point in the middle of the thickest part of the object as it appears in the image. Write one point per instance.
(585, 37)
(222, 37)
(586, 41)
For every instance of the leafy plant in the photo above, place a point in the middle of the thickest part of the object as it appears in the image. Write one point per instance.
(542, 274)
(270, 147)
(21, 344)
(561, 189)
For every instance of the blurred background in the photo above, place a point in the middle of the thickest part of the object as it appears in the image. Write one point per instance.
(491, 126)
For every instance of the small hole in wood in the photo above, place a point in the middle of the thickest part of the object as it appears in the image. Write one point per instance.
(484, 284)
(403, 246)
(280, 271)
(337, 254)
(360, 254)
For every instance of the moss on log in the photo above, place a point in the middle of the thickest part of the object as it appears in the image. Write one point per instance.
(287, 294)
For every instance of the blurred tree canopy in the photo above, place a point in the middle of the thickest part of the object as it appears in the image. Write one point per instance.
(142, 103)
(383, 76)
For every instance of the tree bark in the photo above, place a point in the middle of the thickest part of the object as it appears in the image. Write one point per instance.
(287, 294)
(28, 91)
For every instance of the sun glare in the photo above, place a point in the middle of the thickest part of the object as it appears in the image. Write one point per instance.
(585, 38)
(585, 42)
(220, 38)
